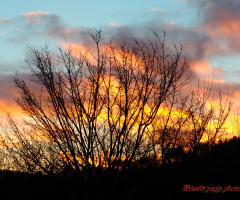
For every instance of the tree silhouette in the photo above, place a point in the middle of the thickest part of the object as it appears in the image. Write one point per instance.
(186, 122)
(94, 108)
(104, 108)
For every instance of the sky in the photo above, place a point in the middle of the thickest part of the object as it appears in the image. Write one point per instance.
(208, 29)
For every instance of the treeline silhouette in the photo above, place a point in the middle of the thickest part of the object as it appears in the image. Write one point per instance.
(216, 168)
(123, 120)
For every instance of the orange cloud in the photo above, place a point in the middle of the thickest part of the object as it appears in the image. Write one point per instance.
(218, 81)
(202, 67)
(78, 50)
(10, 108)
(237, 95)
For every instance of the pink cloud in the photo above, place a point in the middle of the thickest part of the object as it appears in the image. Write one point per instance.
(206, 71)
(4, 20)
(156, 10)
(171, 23)
(70, 31)
(202, 66)
(112, 24)
(226, 32)
(34, 17)
(220, 20)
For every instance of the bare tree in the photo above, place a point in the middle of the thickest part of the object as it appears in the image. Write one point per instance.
(221, 113)
(95, 108)
(206, 119)
(188, 123)
(171, 124)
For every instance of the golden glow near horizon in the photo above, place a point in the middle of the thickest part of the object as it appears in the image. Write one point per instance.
(163, 112)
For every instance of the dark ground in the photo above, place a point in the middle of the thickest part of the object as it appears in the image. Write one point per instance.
(218, 168)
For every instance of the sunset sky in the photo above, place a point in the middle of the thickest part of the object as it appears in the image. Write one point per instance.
(208, 29)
